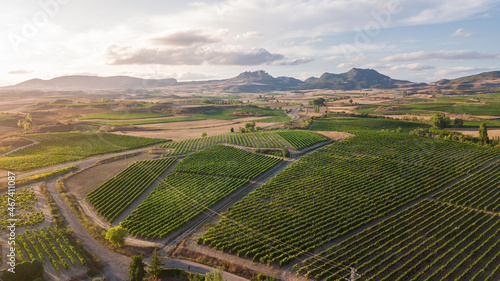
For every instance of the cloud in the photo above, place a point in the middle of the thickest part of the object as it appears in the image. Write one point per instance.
(294, 61)
(460, 70)
(249, 35)
(20, 71)
(190, 37)
(190, 56)
(313, 41)
(190, 76)
(431, 12)
(461, 33)
(440, 55)
(412, 67)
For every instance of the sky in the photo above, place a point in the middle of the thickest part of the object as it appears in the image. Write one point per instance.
(416, 40)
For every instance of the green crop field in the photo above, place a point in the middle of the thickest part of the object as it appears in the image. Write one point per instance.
(429, 241)
(124, 115)
(348, 124)
(227, 161)
(198, 182)
(25, 213)
(48, 245)
(268, 139)
(480, 191)
(300, 139)
(337, 189)
(150, 121)
(62, 147)
(179, 198)
(116, 194)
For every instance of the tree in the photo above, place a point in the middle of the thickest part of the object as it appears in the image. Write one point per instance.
(136, 269)
(214, 275)
(483, 133)
(250, 126)
(231, 130)
(242, 130)
(155, 264)
(458, 122)
(204, 134)
(286, 153)
(439, 121)
(116, 235)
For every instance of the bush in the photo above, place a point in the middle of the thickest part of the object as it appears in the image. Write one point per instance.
(25, 271)
(116, 235)
(439, 121)
(458, 122)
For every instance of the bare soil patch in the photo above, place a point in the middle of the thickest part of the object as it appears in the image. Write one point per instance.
(178, 131)
(84, 182)
(335, 136)
(473, 132)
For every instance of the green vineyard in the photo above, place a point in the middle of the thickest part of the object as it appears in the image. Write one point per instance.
(179, 198)
(48, 244)
(480, 191)
(117, 193)
(26, 215)
(429, 241)
(300, 139)
(198, 182)
(337, 189)
(348, 124)
(220, 160)
(62, 147)
(297, 139)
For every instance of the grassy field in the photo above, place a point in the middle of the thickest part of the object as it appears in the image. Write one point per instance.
(62, 147)
(143, 122)
(124, 115)
(348, 124)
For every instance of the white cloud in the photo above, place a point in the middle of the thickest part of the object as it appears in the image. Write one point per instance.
(313, 41)
(461, 33)
(191, 37)
(439, 55)
(412, 67)
(191, 56)
(20, 71)
(460, 70)
(431, 12)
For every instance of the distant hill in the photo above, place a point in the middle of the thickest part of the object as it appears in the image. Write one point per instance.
(85, 83)
(482, 80)
(354, 79)
(258, 82)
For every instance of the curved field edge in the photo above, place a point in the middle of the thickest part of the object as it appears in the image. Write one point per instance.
(55, 148)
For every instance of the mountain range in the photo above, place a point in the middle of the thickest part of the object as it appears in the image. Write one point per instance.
(258, 81)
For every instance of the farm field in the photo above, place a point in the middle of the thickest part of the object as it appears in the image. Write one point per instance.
(348, 124)
(429, 241)
(198, 182)
(179, 198)
(146, 121)
(62, 147)
(226, 161)
(300, 139)
(269, 139)
(337, 189)
(25, 211)
(124, 115)
(49, 244)
(116, 194)
(480, 191)
(442, 105)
